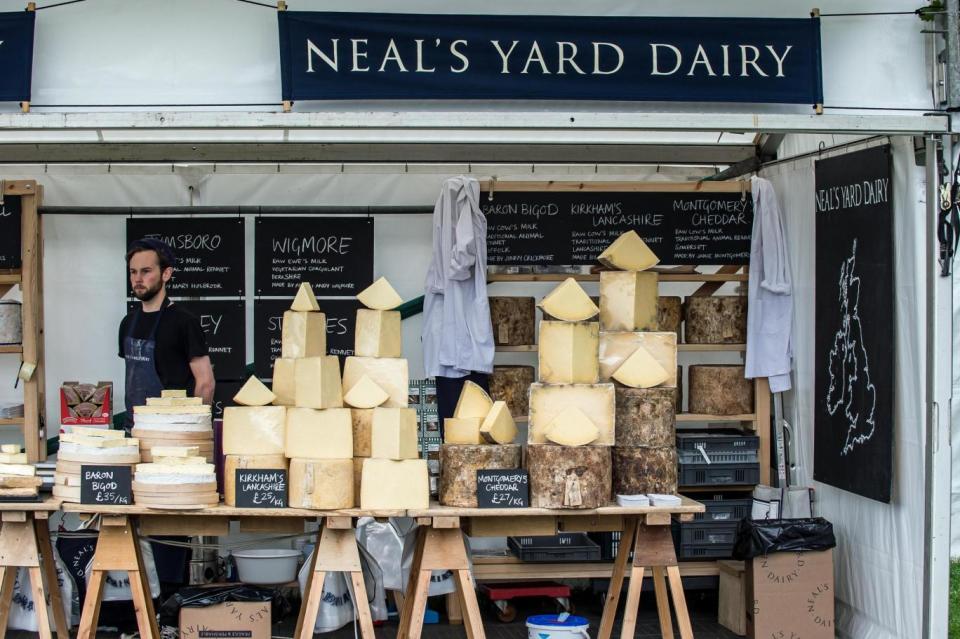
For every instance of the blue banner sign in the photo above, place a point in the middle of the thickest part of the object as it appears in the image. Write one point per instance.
(16, 55)
(371, 56)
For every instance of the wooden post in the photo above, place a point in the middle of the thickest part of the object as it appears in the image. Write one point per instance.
(34, 442)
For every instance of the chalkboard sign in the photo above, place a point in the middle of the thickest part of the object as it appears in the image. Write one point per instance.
(224, 325)
(223, 394)
(10, 220)
(209, 250)
(503, 488)
(333, 254)
(261, 488)
(110, 485)
(268, 321)
(853, 324)
(554, 228)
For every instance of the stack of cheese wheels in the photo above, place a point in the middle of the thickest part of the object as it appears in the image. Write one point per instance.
(173, 419)
(571, 427)
(18, 479)
(479, 436)
(178, 477)
(385, 430)
(85, 446)
(643, 363)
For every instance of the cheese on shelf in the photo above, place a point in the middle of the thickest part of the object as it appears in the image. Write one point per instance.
(254, 393)
(178, 461)
(596, 401)
(283, 385)
(24, 470)
(173, 392)
(641, 370)
(389, 373)
(569, 302)
(616, 347)
(387, 484)
(303, 334)
(377, 334)
(305, 299)
(380, 296)
(317, 382)
(13, 458)
(319, 434)
(153, 468)
(15, 448)
(365, 394)
(568, 352)
(473, 402)
(628, 253)
(325, 484)
(88, 430)
(394, 433)
(175, 451)
(629, 301)
(254, 430)
(174, 401)
(232, 463)
(97, 442)
(362, 430)
(572, 428)
(498, 426)
(462, 430)
(171, 410)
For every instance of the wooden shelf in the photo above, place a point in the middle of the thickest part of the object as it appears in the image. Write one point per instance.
(696, 417)
(509, 567)
(526, 348)
(595, 277)
(14, 421)
(10, 277)
(15, 348)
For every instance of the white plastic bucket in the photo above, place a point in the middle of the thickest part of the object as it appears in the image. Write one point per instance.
(551, 627)
(267, 567)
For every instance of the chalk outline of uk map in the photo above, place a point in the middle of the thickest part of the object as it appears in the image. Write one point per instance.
(846, 345)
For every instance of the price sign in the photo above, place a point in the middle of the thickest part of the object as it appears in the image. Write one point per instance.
(508, 488)
(106, 485)
(261, 488)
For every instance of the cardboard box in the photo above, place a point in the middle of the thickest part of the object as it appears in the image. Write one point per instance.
(790, 595)
(232, 619)
(86, 404)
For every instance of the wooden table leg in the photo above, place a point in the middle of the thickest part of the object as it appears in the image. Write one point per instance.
(48, 562)
(454, 608)
(305, 595)
(663, 602)
(19, 549)
(616, 579)
(147, 616)
(653, 548)
(406, 610)
(679, 602)
(8, 577)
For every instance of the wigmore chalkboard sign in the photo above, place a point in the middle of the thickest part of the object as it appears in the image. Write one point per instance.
(854, 318)
(261, 488)
(209, 250)
(333, 254)
(106, 485)
(553, 228)
(503, 488)
(10, 221)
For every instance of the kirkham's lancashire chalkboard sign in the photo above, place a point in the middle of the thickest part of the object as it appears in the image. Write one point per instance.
(10, 220)
(554, 227)
(261, 488)
(333, 254)
(209, 250)
(854, 319)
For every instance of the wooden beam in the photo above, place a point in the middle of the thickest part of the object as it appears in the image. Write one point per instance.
(617, 187)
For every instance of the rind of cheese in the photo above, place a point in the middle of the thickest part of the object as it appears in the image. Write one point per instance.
(97, 442)
(254, 393)
(380, 296)
(597, 401)
(319, 434)
(641, 370)
(629, 301)
(628, 253)
(154, 468)
(253, 430)
(303, 334)
(325, 484)
(317, 382)
(22, 470)
(473, 402)
(569, 302)
(173, 392)
(462, 430)
(389, 373)
(365, 394)
(283, 385)
(616, 347)
(305, 300)
(362, 431)
(231, 463)
(203, 409)
(377, 334)
(394, 433)
(572, 428)
(387, 484)
(498, 426)
(93, 432)
(569, 352)
(175, 451)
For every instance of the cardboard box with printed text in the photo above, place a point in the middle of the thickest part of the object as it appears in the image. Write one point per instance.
(248, 619)
(790, 596)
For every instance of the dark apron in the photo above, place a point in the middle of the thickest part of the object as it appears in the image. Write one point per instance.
(142, 380)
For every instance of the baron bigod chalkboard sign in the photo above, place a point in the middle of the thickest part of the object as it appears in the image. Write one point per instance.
(333, 254)
(503, 488)
(261, 488)
(209, 250)
(106, 485)
(553, 228)
(10, 250)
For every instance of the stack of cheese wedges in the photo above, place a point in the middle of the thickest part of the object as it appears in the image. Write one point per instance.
(178, 477)
(18, 479)
(385, 429)
(479, 436)
(643, 363)
(571, 426)
(173, 419)
(85, 446)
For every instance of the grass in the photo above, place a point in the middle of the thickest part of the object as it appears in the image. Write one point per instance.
(955, 600)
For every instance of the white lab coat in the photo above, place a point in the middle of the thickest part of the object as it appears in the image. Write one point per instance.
(770, 302)
(457, 334)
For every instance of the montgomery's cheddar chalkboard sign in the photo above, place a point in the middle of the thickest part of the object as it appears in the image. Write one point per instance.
(10, 220)
(108, 485)
(333, 254)
(553, 228)
(261, 488)
(209, 250)
(503, 488)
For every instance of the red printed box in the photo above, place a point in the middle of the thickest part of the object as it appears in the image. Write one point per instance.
(86, 404)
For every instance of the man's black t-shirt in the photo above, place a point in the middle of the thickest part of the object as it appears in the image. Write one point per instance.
(179, 339)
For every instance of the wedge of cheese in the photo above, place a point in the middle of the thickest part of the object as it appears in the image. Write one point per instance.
(362, 431)
(98, 442)
(596, 401)
(628, 301)
(175, 451)
(232, 463)
(572, 428)
(387, 484)
(173, 392)
(9, 449)
(616, 347)
(305, 299)
(462, 430)
(283, 384)
(569, 302)
(303, 334)
(380, 296)
(377, 333)
(317, 382)
(254, 430)
(569, 352)
(389, 373)
(474, 402)
(394, 433)
(325, 484)
(498, 426)
(628, 253)
(91, 432)
(641, 370)
(365, 394)
(319, 434)
(254, 393)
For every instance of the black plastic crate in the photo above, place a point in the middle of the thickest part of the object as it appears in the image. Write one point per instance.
(716, 442)
(555, 548)
(708, 533)
(718, 474)
(694, 552)
(722, 507)
(609, 543)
